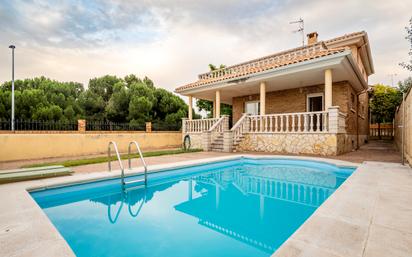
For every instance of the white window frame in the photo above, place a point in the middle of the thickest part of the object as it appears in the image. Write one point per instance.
(255, 101)
(315, 95)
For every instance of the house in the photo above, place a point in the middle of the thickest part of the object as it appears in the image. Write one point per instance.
(307, 100)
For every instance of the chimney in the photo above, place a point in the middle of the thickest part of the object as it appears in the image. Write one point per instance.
(312, 38)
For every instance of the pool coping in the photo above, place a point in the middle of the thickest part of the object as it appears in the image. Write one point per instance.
(21, 219)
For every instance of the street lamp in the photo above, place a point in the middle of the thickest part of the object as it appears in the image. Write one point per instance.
(12, 47)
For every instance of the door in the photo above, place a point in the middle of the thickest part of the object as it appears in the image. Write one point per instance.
(315, 104)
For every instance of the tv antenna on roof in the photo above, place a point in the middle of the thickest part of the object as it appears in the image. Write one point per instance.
(392, 75)
(301, 29)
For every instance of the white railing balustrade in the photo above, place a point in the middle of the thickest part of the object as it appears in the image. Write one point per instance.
(240, 127)
(199, 125)
(303, 122)
(218, 128)
(266, 61)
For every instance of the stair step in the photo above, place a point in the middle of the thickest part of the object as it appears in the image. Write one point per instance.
(34, 174)
(134, 181)
(31, 169)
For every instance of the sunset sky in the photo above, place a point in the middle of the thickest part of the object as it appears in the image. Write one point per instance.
(173, 41)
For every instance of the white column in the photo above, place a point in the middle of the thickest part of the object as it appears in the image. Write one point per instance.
(262, 98)
(214, 109)
(328, 88)
(190, 107)
(217, 103)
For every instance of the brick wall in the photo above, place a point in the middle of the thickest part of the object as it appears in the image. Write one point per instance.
(294, 100)
(291, 100)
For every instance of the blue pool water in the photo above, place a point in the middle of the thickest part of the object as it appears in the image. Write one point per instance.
(243, 207)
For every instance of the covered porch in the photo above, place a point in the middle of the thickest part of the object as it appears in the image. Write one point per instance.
(300, 107)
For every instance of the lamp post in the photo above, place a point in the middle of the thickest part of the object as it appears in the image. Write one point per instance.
(12, 47)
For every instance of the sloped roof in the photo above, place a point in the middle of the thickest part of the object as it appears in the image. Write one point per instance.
(280, 59)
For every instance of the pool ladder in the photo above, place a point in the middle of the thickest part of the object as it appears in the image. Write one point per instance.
(109, 150)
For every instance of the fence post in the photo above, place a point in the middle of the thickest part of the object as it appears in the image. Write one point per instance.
(148, 127)
(81, 125)
(184, 125)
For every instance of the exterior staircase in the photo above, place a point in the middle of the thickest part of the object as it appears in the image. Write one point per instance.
(236, 142)
(217, 144)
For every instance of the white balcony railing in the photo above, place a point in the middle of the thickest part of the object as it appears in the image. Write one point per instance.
(198, 126)
(301, 122)
(240, 127)
(261, 62)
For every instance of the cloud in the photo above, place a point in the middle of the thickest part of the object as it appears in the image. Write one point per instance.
(173, 41)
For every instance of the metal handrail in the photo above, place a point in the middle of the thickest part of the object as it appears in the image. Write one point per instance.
(141, 158)
(109, 150)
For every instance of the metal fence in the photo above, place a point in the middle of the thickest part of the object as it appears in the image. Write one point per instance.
(114, 126)
(38, 125)
(160, 125)
(91, 125)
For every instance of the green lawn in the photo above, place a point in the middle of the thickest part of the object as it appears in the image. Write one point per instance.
(79, 162)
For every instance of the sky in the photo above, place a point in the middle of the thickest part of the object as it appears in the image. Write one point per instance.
(173, 41)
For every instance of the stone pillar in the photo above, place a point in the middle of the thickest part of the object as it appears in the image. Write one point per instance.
(333, 113)
(262, 98)
(226, 122)
(328, 88)
(206, 141)
(81, 125)
(228, 141)
(190, 108)
(217, 103)
(148, 127)
(184, 125)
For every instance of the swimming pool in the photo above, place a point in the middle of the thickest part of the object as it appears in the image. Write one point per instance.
(241, 207)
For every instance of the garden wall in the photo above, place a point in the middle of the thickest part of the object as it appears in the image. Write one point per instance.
(407, 125)
(25, 145)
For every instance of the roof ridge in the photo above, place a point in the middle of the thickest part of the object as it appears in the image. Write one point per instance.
(345, 36)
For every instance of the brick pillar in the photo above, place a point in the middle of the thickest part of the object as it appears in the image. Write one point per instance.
(228, 141)
(148, 127)
(81, 125)
(207, 141)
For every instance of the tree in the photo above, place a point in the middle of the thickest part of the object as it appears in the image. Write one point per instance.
(383, 103)
(405, 85)
(108, 98)
(103, 86)
(118, 105)
(408, 65)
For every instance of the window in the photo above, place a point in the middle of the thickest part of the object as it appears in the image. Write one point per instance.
(252, 108)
